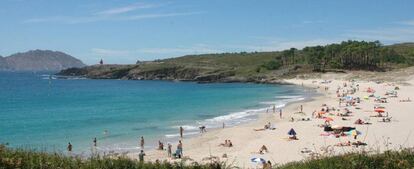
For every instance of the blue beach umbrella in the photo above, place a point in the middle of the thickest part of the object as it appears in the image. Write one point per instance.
(258, 160)
(292, 132)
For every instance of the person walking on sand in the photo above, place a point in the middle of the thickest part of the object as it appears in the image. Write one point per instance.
(181, 131)
(141, 156)
(142, 142)
(274, 109)
(169, 152)
(301, 108)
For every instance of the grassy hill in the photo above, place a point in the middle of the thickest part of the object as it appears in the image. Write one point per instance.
(265, 67)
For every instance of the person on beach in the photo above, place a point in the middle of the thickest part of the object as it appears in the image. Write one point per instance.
(179, 151)
(142, 142)
(280, 113)
(274, 109)
(160, 145)
(69, 148)
(94, 142)
(263, 149)
(202, 129)
(268, 165)
(181, 131)
(169, 152)
(224, 125)
(141, 156)
(301, 108)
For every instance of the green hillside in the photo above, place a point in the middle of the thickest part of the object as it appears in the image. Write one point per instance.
(261, 66)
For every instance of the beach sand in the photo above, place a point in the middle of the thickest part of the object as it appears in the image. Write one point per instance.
(379, 136)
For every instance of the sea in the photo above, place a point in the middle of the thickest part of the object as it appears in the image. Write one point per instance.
(43, 112)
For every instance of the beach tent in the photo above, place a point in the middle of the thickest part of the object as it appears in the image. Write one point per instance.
(292, 132)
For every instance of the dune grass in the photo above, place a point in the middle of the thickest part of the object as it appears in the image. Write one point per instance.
(19, 158)
(386, 160)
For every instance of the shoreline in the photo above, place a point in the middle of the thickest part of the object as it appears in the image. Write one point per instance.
(309, 95)
(262, 118)
(247, 142)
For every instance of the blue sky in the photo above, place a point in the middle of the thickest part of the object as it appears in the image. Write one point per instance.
(123, 31)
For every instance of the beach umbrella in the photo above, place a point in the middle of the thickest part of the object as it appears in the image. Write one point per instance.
(258, 160)
(292, 132)
(379, 110)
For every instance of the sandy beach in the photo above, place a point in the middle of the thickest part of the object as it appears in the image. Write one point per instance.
(312, 140)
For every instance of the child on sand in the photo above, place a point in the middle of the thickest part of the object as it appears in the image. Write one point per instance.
(169, 152)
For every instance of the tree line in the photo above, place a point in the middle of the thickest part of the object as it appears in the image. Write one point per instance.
(351, 55)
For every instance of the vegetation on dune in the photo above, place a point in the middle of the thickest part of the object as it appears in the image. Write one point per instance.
(387, 160)
(349, 55)
(18, 158)
(261, 66)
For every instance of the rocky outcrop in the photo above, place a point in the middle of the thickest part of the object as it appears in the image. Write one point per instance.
(172, 72)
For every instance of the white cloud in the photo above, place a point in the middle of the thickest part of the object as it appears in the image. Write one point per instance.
(395, 34)
(278, 44)
(408, 22)
(114, 14)
(149, 16)
(76, 20)
(125, 9)
(312, 22)
(402, 31)
(151, 53)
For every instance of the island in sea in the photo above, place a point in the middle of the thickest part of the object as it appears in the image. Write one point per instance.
(39, 60)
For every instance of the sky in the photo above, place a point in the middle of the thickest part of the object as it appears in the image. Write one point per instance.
(124, 31)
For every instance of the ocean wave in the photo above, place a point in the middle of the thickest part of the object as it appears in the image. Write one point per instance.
(287, 97)
(187, 127)
(234, 118)
(178, 135)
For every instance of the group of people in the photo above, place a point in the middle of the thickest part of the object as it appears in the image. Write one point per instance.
(227, 143)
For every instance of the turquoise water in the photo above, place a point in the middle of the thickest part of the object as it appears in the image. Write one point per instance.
(38, 112)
